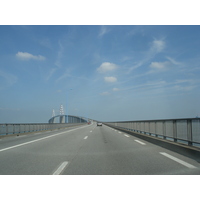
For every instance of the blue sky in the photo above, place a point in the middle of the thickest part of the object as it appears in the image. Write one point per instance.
(106, 73)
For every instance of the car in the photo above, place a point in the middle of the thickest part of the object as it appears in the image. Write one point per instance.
(99, 124)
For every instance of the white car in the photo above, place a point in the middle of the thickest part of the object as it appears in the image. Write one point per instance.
(99, 124)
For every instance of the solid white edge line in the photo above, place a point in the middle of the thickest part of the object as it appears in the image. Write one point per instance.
(60, 168)
(140, 142)
(22, 144)
(178, 160)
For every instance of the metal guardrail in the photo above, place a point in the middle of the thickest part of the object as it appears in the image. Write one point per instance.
(185, 131)
(7, 129)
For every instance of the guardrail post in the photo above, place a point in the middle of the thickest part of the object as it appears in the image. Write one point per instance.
(6, 129)
(174, 130)
(19, 128)
(156, 130)
(149, 129)
(164, 130)
(189, 132)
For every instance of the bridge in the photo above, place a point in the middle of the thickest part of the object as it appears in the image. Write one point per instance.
(148, 147)
(62, 118)
(68, 119)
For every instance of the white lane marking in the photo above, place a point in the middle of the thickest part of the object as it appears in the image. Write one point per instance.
(115, 130)
(119, 132)
(178, 160)
(85, 137)
(126, 135)
(140, 142)
(60, 169)
(91, 131)
(22, 144)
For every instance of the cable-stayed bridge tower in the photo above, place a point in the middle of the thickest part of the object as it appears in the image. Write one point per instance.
(62, 114)
(62, 118)
(53, 113)
(61, 110)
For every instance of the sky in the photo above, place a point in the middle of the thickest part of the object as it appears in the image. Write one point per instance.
(103, 72)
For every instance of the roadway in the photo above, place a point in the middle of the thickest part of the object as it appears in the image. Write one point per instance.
(89, 150)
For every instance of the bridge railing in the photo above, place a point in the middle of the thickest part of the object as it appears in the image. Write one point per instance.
(185, 131)
(6, 129)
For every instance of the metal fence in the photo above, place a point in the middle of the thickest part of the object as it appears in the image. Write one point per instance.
(6, 129)
(178, 130)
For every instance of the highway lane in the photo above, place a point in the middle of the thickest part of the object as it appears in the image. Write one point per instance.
(39, 153)
(89, 150)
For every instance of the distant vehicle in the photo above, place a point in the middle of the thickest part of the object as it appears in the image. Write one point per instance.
(99, 124)
(89, 122)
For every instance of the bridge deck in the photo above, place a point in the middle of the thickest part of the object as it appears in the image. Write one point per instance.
(90, 150)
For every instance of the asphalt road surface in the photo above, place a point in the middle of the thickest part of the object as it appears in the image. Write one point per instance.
(89, 150)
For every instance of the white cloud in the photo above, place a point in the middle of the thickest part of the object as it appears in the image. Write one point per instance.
(103, 31)
(106, 67)
(173, 61)
(185, 84)
(115, 89)
(46, 43)
(65, 75)
(110, 79)
(184, 88)
(158, 66)
(50, 74)
(158, 45)
(184, 81)
(28, 56)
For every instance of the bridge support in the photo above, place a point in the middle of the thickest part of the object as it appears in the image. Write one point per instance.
(62, 119)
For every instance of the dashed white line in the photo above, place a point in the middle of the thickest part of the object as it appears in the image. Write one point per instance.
(90, 131)
(126, 135)
(178, 160)
(60, 169)
(85, 137)
(140, 142)
(119, 132)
